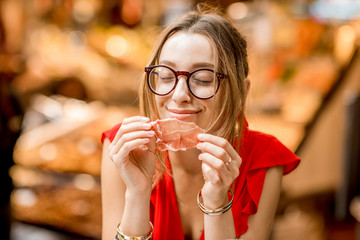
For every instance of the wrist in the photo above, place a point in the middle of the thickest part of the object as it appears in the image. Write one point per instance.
(215, 204)
(214, 208)
(136, 215)
(136, 196)
(121, 236)
(212, 200)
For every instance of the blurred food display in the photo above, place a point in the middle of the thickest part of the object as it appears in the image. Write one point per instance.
(76, 65)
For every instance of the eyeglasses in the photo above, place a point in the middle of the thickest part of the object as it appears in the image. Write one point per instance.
(202, 83)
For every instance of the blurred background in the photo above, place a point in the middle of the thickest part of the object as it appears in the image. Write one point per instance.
(70, 69)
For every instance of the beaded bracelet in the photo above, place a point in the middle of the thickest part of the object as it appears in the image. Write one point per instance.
(121, 236)
(217, 211)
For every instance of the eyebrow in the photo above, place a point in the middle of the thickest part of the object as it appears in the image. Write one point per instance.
(195, 65)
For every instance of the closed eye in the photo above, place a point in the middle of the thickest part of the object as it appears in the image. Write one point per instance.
(167, 79)
(202, 82)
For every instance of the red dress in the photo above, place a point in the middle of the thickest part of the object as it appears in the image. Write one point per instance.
(259, 152)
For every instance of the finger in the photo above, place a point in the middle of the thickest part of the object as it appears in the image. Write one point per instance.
(225, 174)
(219, 147)
(130, 120)
(214, 163)
(127, 121)
(218, 141)
(215, 150)
(232, 163)
(130, 127)
(234, 167)
(220, 153)
(114, 148)
(135, 119)
(210, 174)
(127, 148)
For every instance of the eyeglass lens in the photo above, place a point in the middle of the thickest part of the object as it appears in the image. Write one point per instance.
(202, 83)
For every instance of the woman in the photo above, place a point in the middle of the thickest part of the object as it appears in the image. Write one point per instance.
(234, 174)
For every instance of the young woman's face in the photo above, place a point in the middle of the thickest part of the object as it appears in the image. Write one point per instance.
(186, 52)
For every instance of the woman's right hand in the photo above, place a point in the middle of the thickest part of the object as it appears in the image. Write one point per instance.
(132, 151)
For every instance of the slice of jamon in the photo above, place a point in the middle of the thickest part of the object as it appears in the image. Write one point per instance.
(173, 134)
(167, 134)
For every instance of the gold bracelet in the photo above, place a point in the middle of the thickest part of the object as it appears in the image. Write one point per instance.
(121, 236)
(217, 211)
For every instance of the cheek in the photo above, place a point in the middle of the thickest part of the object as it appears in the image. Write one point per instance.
(211, 110)
(160, 104)
(215, 105)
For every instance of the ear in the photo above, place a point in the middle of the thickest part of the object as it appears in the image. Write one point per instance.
(247, 85)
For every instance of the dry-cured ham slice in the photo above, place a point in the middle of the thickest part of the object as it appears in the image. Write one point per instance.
(173, 134)
(189, 132)
(167, 134)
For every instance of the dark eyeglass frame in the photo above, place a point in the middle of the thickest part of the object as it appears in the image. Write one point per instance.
(184, 73)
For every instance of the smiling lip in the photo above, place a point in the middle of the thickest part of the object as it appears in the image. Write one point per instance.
(182, 114)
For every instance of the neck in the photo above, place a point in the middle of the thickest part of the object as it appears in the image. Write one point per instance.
(187, 175)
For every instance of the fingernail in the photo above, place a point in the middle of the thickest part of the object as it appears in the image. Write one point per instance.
(147, 125)
(200, 136)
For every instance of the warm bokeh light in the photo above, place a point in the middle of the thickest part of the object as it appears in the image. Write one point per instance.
(117, 46)
(84, 182)
(344, 43)
(24, 197)
(87, 146)
(131, 11)
(237, 10)
(77, 40)
(48, 152)
(84, 10)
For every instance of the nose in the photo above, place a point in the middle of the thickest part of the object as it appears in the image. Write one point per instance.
(181, 91)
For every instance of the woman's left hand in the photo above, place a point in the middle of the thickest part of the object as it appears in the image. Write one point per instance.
(220, 166)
